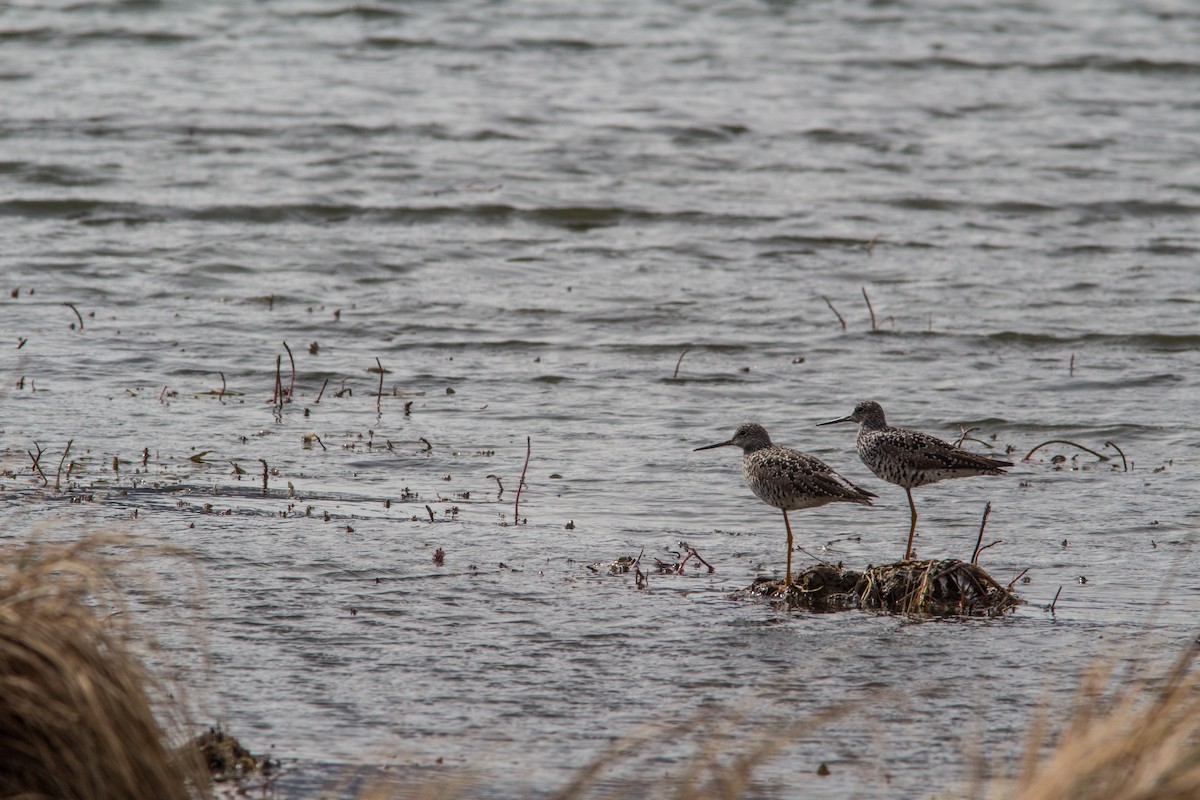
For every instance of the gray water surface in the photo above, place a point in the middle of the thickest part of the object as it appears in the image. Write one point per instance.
(538, 207)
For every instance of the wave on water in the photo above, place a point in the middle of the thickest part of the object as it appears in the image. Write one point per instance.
(1161, 342)
(575, 218)
(1086, 63)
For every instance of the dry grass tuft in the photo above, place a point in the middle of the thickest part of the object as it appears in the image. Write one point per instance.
(1135, 743)
(77, 719)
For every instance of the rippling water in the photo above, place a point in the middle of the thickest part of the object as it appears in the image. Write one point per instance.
(526, 212)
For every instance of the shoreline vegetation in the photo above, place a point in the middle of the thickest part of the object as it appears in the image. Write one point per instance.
(81, 716)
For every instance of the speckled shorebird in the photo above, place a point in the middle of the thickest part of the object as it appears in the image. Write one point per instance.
(911, 458)
(788, 479)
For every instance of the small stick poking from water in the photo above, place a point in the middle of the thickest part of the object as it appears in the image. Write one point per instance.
(1020, 575)
(987, 510)
(38, 466)
(1054, 602)
(874, 325)
(430, 510)
(964, 436)
(221, 395)
(58, 475)
(266, 471)
(675, 374)
(292, 387)
(323, 385)
(1072, 365)
(496, 478)
(870, 245)
(1124, 463)
(834, 310)
(1100, 456)
(691, 553)
(379, 393)
(78, 316)
(521, 485)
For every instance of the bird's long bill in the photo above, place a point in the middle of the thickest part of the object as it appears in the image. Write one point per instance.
(836, 421)
(711, 446)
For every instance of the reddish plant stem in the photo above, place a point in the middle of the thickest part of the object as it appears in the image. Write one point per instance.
(379, 394)
(521, 485)
(835, 311)
(292, 387)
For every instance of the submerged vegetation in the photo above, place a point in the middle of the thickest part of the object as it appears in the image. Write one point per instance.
(935, 588)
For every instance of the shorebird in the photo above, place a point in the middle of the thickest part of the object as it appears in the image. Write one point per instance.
(788, 479)
(911, 458)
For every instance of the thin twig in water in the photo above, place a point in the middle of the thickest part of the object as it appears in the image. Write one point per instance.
(37, 465)
(1054, 602)
(1124, 463)
(870, 245)
(1072, 373)
(221, 395)
(428, 446)
(814, 555)
(1100, 456)
(521, 485)
(691, 551)
(77, 315)
(379, 393)
(323, 385)
(292, 386)
(1020, 575)
(277, 395)
(430, 510)
(266, 471)
(991, 544)
(675, 374)
(874, 326)
(58, 475)
(496, 478)
(835, 311)
(162, 394)
(987, 510)
(962, 437)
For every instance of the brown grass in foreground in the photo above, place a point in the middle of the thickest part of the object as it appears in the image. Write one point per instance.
(1121, 742)
(77, 720)
(1136, 743)
(76, 715)
(723, 751)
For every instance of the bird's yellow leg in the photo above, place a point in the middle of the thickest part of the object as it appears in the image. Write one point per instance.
(913, 528)
(787, 581)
